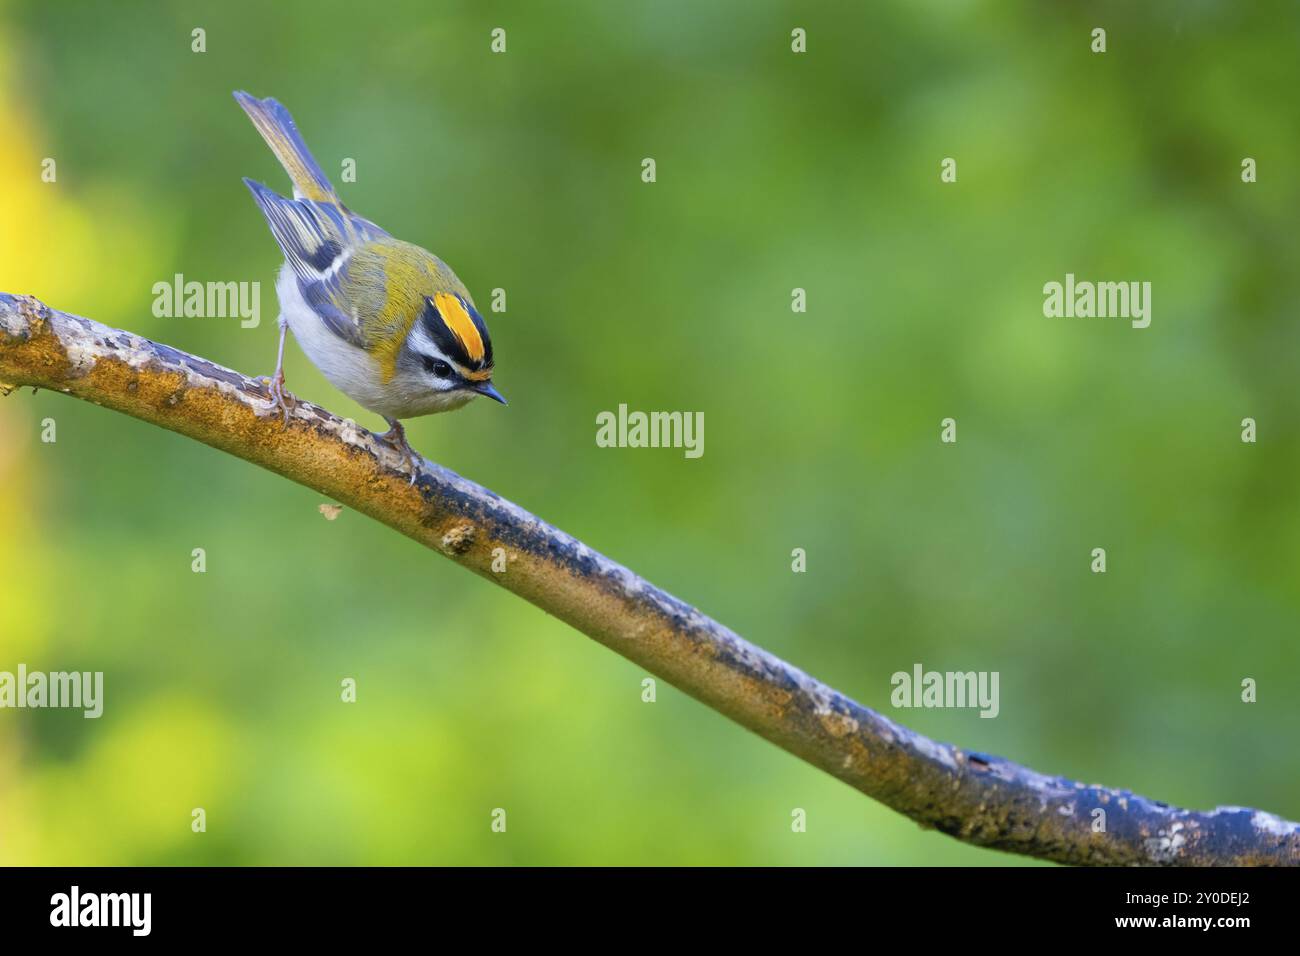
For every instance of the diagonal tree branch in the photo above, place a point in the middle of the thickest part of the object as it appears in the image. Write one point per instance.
(974, 797)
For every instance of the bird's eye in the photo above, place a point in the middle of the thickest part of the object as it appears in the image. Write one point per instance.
(437, 367)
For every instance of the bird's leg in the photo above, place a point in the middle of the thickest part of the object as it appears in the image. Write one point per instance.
(280, 398)
(396, 436)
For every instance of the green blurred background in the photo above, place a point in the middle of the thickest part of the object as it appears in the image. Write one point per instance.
(775, 171)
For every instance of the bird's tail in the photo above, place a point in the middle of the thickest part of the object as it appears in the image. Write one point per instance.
(281, 134)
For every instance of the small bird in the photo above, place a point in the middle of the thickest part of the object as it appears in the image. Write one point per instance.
(387, 322)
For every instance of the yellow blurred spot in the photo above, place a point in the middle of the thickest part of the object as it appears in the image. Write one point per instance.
(129, 799)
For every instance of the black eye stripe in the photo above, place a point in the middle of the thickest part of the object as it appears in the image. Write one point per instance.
(442, 336)
(436, 367)
(447, 342)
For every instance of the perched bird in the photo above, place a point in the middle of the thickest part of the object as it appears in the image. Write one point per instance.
(388, 323)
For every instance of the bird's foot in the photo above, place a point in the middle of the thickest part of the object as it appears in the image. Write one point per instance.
(396, 436)
(281, 399)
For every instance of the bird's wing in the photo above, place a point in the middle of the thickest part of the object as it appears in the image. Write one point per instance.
(320, 241)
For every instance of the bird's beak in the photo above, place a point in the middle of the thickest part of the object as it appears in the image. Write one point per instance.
(485, 388)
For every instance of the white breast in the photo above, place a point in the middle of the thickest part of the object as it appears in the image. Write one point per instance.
(350, 369)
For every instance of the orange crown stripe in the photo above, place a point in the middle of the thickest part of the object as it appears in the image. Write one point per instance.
(461, 325)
